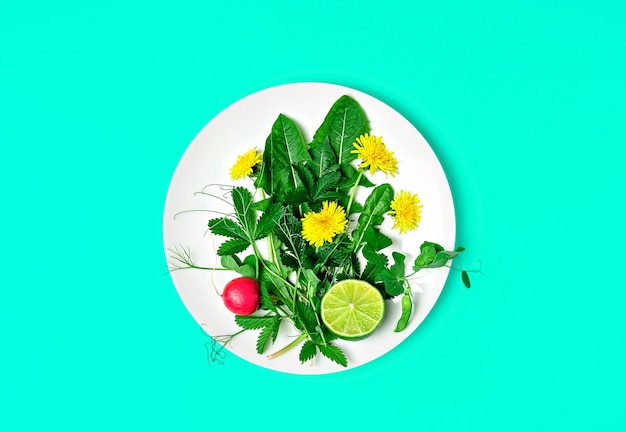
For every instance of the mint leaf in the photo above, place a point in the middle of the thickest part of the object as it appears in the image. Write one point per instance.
(334, 354)
(308, 351)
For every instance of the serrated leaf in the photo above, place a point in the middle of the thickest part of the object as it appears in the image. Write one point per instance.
(370, 274)
(287, 259)
(242, 201)
(325, 185)
(248, 322)
(333, 353)
(264, 336)
(273, 284)
(268, 221)
(266, 298)
(232, 246)
(308, 351)
(276, 328)
(226, 227)
(307, 317)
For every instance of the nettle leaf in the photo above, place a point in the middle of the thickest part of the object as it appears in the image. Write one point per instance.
(343, 124)
(287, 259)
(226, 227)
(233, 246)
(376, 205)
(308, 351)
(268, 221)
(248, 322)
(334, 354)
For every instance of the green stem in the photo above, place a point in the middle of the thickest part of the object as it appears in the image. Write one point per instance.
(197, 268)
(270, 237)
(259, 257)
(354, 188)
(300, 338)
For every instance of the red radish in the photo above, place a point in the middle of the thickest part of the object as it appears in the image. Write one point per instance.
(242, 295)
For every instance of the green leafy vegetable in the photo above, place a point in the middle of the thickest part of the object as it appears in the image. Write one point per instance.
(296, 180)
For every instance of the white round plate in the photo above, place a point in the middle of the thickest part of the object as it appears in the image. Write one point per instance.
(245, 125)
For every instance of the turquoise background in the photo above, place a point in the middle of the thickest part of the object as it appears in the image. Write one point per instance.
(523, 102)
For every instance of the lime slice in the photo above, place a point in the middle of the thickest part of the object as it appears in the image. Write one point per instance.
(352, 309)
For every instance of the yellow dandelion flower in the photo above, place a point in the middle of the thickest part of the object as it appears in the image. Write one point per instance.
(245, 164)
(374, 154)
(406, 211)
(324, 225)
